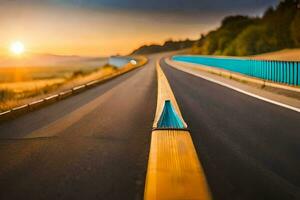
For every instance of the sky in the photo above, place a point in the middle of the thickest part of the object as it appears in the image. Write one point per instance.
(109, 27)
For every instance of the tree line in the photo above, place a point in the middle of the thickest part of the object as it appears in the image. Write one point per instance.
(277, 29)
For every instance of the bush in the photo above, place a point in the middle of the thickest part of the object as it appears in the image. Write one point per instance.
(253, 40)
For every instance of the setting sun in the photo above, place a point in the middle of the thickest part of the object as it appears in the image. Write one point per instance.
(17, 48)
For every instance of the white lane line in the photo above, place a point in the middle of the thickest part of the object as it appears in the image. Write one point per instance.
(78, 87)
(20, 107)
(239, 90)
(6, 112)
(51, 97)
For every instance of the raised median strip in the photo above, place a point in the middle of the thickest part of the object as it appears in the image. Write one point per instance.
(174, 170)
(14, 112)
(164, 92)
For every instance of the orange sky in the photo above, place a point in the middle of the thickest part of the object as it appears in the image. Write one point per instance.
(69, 27)
(76, 31)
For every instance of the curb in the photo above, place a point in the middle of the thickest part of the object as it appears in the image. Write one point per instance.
(17, 111)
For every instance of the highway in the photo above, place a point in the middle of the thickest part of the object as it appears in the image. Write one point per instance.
(91, 146)
(249, 148)
(95, 145)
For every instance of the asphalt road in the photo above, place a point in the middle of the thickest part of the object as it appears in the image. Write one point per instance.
(95, 145)
(91, 146)
(249, 149)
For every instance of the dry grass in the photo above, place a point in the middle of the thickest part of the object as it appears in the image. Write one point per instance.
(283, 55)
(21, 85)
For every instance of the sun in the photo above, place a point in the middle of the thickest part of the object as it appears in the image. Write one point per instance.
(17, 48)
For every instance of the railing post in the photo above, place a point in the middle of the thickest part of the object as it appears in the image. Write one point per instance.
(270, 70)
(282, 72)
(273, 71)
(255, 68)
(298, 74)
(263, 69)
(288, 73)
(279, 71)
(266, 69)
(250, 67)
(292, 73)
(260, 69)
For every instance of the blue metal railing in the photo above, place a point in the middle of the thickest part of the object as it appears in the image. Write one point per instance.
(287, 72)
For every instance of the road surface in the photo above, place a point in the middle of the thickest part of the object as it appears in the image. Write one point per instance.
(91, 146)
(249, 148)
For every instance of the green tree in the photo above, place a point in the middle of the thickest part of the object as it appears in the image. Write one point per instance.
(295, 29)
(253, 40)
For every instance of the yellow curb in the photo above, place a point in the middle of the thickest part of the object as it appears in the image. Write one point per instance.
(174, 170)
(164, 93)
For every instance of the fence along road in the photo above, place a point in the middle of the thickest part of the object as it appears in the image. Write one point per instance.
(287, 72)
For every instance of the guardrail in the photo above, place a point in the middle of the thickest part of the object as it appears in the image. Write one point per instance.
(286, 72)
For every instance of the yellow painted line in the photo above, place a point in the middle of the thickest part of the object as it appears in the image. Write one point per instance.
(164, 93)
(174, 170)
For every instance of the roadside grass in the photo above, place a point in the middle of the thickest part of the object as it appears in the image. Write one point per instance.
(283, 55)
(21, 85)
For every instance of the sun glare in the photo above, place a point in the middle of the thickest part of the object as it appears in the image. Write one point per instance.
(17, 48)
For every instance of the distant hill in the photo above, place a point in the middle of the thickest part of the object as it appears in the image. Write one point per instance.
(167, 46)
(278, 28)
